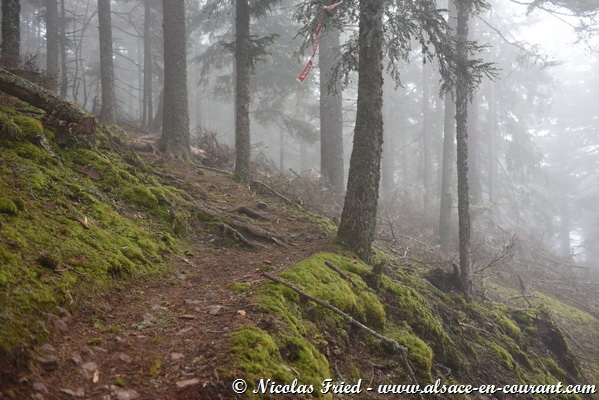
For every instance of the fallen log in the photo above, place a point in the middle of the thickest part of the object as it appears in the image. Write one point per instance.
(77, 119)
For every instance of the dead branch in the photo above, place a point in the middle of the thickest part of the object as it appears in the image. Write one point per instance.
(396, 347)
(220, 171)
(272, 191)
(343, 274)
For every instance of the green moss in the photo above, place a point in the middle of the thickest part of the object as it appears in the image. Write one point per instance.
(94, 341)
(7, 206)
(240, 287)
(119, 382)
(29, 126)
(503, 355)
(259, 356)
(140, 196)
(420, 356)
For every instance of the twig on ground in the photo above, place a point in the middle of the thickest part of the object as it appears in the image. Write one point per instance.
(343, 274)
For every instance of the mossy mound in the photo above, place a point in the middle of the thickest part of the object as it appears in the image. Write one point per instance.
(64, 231)
(447, 337)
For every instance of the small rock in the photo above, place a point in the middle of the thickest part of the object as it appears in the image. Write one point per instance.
(61, 326)
(216, 310)
(40, 387)
(122, 394)
(176, 356)
(100, 349)
(191, 301)
(90, 366)
(241, 312)
(187, 316)
(47, 348)
(184, 331)
(38, 396)
(125, 358)
(63, 312)
(181, 277)
(49, 363)
(79, 392)
(261, 205)
(188, 382)
(76, 358)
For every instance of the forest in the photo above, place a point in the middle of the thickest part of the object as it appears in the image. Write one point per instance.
(275, 199)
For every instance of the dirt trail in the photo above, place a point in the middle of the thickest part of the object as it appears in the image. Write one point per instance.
(167, 337)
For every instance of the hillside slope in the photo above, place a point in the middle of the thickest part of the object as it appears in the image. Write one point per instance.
(126, 276)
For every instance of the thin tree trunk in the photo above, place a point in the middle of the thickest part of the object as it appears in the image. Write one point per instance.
(462, 97)
(492, 143)
(449, 133)
(331, 114)
(474, 149)
(159, 117)
(11, 33)
(388, 161)
(175, 130)
(108, 111)
(242, 91)
(358, 220)
(64, 81)
(148, 109)
(426, 137)
(281, 149)
(52, 44)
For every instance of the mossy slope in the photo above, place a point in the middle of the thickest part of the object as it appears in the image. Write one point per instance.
(447, 337)
(63, 231)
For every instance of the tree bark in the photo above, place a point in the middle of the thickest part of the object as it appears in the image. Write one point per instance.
(52, 44)
(64, 81)
(474, 150)
(175, 129)
(148, 107)
(108, 111)
(242, 91)
(358, 220)
(462, 97)
(40, 97)
(449, 132)
(331, 114)
(11, 33)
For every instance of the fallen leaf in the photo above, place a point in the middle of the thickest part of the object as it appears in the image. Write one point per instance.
(241, 312)
(96, 376)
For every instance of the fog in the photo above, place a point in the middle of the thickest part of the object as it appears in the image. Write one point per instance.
(533, 128)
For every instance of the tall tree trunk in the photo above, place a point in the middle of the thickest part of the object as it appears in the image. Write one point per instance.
(64, 81)
(148, 109)
(175, 129)
(108, 111)
(159, 117)
(492, 144)
(565, 226)
(474, 149)
(426, 136)
(462, 97)
(281, 149)
(358, 220)
(242, 91)
(11, 33)
(52, 43)
(449, 132)
(331, 114)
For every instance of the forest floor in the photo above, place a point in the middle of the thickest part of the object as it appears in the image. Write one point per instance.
(157, 337)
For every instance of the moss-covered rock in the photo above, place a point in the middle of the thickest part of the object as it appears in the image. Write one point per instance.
(7, 206)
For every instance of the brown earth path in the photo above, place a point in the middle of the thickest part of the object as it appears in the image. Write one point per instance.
(167, 337)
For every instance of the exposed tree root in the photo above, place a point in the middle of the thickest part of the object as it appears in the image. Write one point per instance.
(250, 213)
(238, 236)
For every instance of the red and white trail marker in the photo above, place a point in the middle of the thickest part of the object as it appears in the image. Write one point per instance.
(306, 71)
